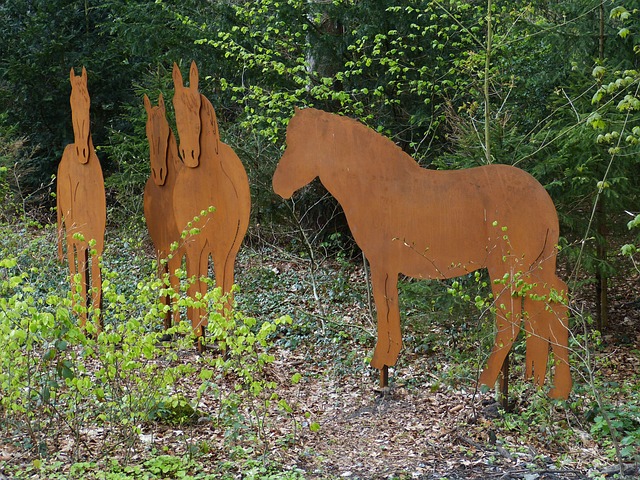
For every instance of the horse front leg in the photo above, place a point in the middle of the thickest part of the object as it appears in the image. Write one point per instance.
(73, 270)
(201, 312)
(224, 265)
(60, 230)
(389, 344)
(96, 287)
(78, 257)
(163, 272)
(508, 316)
(193, 275)
(173, 264)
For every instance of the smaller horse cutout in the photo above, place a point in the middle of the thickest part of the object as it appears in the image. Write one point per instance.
(439, 224)
(212, 176)
(81, 201)
(158, 198)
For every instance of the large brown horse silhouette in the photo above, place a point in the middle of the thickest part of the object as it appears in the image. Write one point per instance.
(212, 176)
(158, 197)
(81, 201)
(439, 224)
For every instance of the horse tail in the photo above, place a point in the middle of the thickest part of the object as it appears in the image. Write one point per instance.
(543, 252)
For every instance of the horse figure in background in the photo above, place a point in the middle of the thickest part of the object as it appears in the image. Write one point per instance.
(212, 176)
(158, 198)
(81, 201)
(438, 225)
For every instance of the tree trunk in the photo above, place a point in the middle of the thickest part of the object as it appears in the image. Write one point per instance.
(602, 304)
(487, 66)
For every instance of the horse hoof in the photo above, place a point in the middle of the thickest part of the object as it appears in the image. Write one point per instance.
(376, 362)
(380, 361)
(487, 379)
(382, 358)
(200, 346)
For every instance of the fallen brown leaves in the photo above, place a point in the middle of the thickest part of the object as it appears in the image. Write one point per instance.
(418, 428)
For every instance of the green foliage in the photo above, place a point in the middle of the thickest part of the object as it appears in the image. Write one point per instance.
(623, 422)
(396, 72)
(541, 418)
(57, 379)
(155, 468)
(120, 44)
(414, 71)
(631, 249)
(426, 302)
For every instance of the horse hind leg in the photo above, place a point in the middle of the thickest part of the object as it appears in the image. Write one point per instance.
(557, 312)
(536, 326)
(508, 318)
(547, 326)
(193, 274)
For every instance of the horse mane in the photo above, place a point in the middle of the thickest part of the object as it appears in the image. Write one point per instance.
(210, 114)
(377, 141)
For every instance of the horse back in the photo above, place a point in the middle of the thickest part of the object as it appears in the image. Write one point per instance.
(440, 224)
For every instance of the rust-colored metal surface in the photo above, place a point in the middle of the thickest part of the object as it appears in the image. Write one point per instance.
(81, 200)
(438, 225)
(212, 176)
(158, 198)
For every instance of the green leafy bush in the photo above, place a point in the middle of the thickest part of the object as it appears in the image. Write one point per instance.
(58, 380)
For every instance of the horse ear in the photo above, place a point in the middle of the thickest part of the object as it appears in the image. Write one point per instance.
(72, 75)
(177, 76)
(193, 76)
(161, 101)
(84, 75)
(147, 104)
(295, 110)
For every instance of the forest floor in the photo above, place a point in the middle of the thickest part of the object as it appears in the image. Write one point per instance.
(430, 423)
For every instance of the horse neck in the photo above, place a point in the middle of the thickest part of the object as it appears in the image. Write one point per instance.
(173, 159)
(91, 148)
(367, 158)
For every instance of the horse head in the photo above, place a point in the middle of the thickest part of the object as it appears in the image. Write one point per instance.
(80, 103)
(297, 167)
(187, 103)
(158, 135)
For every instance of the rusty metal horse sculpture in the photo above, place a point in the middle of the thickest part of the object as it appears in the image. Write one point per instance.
(439, 224)
(212, 176)
(158, 198)
(81, 201)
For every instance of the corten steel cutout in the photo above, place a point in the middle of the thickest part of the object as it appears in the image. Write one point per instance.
(212, 176)
(439, 224)
(158, 198)
(81, 200)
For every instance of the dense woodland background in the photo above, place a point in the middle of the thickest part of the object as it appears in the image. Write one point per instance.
(551, 88)
(547, 85)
